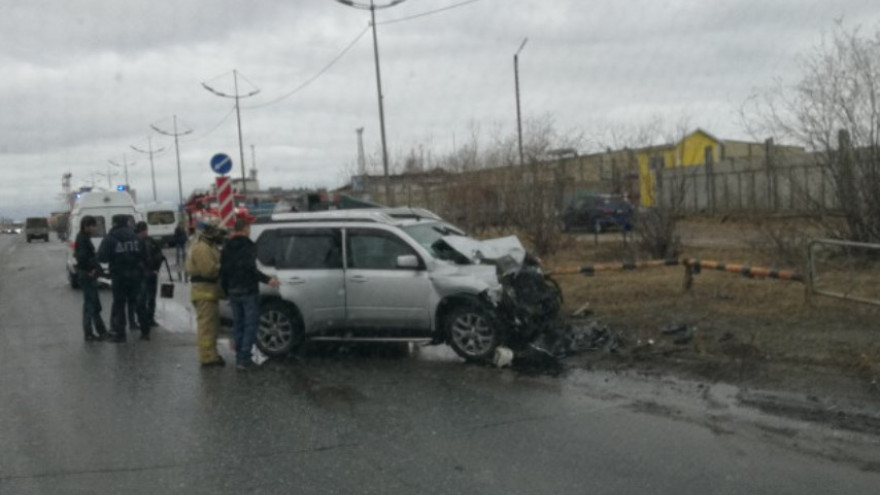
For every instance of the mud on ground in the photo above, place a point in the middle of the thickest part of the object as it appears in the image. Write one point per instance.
(763, 334)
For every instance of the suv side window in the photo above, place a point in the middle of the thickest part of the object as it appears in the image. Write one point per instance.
(370, 249)
(308, 249)
(267, 247)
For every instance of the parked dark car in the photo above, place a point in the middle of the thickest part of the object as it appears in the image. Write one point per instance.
(598, 213)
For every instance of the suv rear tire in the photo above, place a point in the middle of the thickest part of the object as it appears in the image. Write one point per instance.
(281, 329)
(471, 333)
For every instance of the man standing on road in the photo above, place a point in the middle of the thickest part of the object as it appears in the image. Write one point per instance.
(180, 239)
(87, 271)
(153, 259)
(121, 249)
(203, 268)
(241, 280)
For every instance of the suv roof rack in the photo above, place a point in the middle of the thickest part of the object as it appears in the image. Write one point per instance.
(375, 215)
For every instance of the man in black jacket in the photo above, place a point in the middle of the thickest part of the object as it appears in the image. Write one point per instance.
(121, 249)
(87, 271)
(153, 259)
(240, 279)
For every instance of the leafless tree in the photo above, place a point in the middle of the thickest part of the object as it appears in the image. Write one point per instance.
(834, 110)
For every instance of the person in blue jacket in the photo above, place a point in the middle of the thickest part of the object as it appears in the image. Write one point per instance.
(121, 249)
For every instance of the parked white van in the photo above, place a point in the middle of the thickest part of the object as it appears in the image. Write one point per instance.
(103, 205)
(162, 219)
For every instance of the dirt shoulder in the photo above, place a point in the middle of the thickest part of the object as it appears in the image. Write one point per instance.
(757, 334)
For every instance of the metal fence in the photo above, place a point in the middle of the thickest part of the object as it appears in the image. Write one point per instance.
(844, 270)
(699, 189)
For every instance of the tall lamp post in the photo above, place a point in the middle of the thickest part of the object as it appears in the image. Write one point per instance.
(372, 7)
(518, 114)
(236, 97)
(150, 151)
(124, 166)
(109, 175)
(175, 135)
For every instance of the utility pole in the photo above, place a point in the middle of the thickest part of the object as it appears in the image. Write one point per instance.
(518, 114)
(150, 152)
(362, 160)
(176, 135)
(237, 97)
(389, 191)
(110, 174)
(253, 163)
(124, 166)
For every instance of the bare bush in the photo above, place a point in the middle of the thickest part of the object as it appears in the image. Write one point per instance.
(658, 234)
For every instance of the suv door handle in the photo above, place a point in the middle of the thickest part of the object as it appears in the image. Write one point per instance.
(358, 279)
(296, 280)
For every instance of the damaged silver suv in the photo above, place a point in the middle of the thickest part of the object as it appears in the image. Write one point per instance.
(396, 275)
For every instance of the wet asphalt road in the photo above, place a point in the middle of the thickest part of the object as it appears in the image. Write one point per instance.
(143, 418)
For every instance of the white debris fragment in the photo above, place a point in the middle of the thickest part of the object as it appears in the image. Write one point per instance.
(503, 357)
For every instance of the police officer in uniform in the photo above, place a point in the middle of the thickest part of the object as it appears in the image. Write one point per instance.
(121, 249)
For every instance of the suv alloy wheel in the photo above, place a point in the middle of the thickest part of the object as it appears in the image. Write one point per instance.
(280, 329)
(472, 334)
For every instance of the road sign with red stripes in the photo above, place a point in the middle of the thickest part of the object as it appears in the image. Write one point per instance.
(226, 208)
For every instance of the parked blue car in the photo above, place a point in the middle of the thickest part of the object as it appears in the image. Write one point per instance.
(598, 213)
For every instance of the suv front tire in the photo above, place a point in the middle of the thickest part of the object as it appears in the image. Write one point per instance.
(471, 332)
(281, 328)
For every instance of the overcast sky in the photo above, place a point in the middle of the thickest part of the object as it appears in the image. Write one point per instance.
(83, 80)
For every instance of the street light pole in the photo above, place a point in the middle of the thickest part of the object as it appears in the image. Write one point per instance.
(175, 134)
(518, 113)
(150, 152)
(109, 175)
(389, 191)
(124, 166)
(236, 97)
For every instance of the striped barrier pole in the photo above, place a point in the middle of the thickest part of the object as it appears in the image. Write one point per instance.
(590, 270)
(695, 266)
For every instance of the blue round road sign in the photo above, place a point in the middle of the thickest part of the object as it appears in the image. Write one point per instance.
(221, 163)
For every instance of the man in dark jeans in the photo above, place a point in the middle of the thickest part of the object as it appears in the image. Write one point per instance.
(121, 249)
(87, 271)
(180, 239)
(153, 259)
(241, 279)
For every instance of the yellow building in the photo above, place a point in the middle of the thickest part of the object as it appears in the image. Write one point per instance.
(694, 149)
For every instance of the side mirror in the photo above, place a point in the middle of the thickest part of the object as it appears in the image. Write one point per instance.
(408, 261)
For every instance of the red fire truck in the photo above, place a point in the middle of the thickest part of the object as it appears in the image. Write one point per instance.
(202, 206)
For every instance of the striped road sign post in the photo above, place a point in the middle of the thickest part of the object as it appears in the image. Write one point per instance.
(226, 208)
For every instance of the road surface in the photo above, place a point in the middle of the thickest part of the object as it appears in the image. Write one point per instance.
(142, 417)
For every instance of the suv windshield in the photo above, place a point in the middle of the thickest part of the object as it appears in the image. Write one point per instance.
(428, 233)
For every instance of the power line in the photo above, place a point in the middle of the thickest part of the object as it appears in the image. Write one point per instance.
(430, 12)
(217, 126)
(316, 76)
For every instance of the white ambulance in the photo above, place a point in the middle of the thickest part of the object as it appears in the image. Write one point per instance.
(162, 219)
(103, 205)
